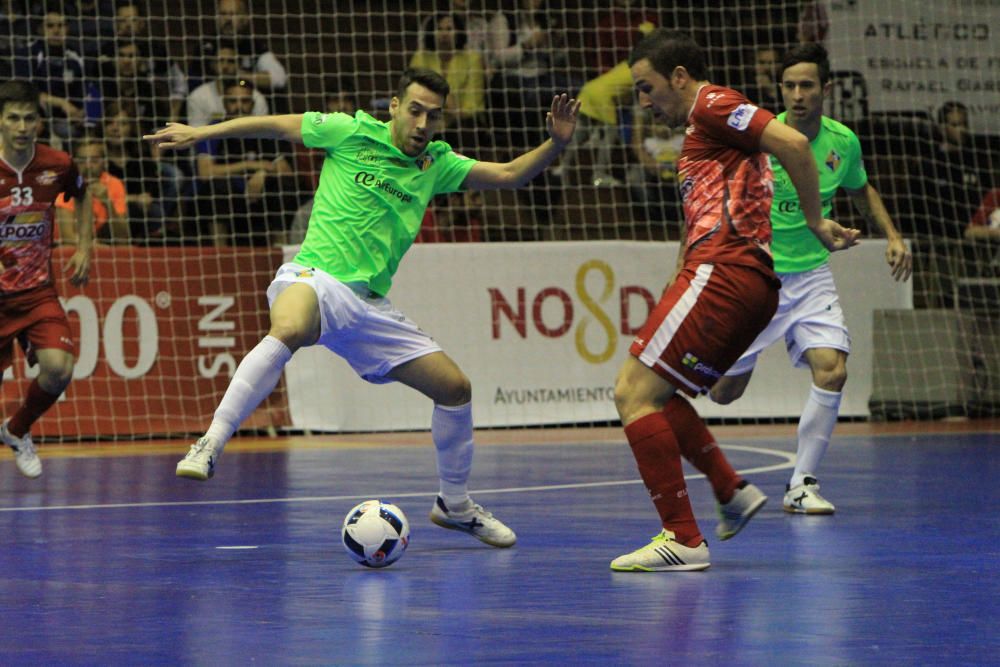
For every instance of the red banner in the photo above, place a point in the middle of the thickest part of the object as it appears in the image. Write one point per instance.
(159, 333)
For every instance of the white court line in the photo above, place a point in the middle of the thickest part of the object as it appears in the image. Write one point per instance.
(789, 461)
(238, 547)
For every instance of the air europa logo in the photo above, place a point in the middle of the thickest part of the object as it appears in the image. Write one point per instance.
(369, 180)
(599, 310)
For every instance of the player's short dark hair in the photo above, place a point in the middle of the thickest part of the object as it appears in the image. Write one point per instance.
(667, 49)
(810, 52)
(950, 107)
(17, 91)
(427, 78)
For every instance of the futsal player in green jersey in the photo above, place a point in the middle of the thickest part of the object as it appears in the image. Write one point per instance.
(809, 317)
(375, 184)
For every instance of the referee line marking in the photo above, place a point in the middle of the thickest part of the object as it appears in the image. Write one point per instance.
(787, 462)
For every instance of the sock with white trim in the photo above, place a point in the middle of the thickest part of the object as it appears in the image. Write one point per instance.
(819, 416)
(255, 378)
(451, 429)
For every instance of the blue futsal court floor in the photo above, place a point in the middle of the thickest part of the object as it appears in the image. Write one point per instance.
(108, 559)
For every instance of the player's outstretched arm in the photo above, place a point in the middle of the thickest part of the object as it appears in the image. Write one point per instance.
(177, 136)
(869, 204)
(792, 149)
(560, 122)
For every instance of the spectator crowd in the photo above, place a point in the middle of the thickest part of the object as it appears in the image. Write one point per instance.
(107, 76)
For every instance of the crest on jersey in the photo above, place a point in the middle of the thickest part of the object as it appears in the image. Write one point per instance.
(424, 162)
(47, 177)
(833, 160)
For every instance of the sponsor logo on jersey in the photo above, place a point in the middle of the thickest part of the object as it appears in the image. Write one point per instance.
(13, 230)
(832, 160)
(320, 119)
(369, 180)
(740, 118)
(307, 273)
(794, 206)
(47, 177)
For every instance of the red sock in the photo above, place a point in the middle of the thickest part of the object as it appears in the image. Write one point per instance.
(699, 447)
(657, 455)
(35, 404)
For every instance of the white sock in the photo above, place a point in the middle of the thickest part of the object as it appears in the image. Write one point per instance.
(819, 416)
(255, 378)
(451, 429)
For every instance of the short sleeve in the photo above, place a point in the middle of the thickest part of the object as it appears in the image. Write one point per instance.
(326, 130)
(732, 119)
(452, 170)
(856, 177)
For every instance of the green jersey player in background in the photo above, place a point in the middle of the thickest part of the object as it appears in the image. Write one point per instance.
(376, 182)
(809, 317)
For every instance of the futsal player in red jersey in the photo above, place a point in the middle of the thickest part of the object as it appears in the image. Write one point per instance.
(32, 176)
(723, 293)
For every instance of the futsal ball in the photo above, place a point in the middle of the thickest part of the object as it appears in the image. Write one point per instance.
(375, 533)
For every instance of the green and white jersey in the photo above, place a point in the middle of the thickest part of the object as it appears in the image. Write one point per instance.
(371, 197)
(837, 152)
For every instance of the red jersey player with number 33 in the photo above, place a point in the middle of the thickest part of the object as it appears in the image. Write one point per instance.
(31, 178)
(723, 293)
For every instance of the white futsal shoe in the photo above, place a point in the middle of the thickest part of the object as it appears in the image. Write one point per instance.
(200, 461)
(24, 452)
(805, 499)
(473, 519)
(664, 554)
(735, 514)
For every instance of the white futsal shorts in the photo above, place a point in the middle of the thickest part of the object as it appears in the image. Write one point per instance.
(808, 316)
(363, 328)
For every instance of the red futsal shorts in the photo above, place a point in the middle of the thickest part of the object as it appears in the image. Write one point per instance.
(35, 318)
(703, 323)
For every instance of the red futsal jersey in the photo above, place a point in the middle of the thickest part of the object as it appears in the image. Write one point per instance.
(726, 182)
(27, 216)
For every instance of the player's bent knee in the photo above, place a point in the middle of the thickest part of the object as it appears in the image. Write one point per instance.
(629, 404)
(293, 335)
(831, 380)
(55, 370)
(458, 391)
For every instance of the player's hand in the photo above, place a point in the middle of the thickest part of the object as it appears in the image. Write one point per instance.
(835, 237)
(900, 259)
(175, 136)
(79, 264)
(561, 119)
